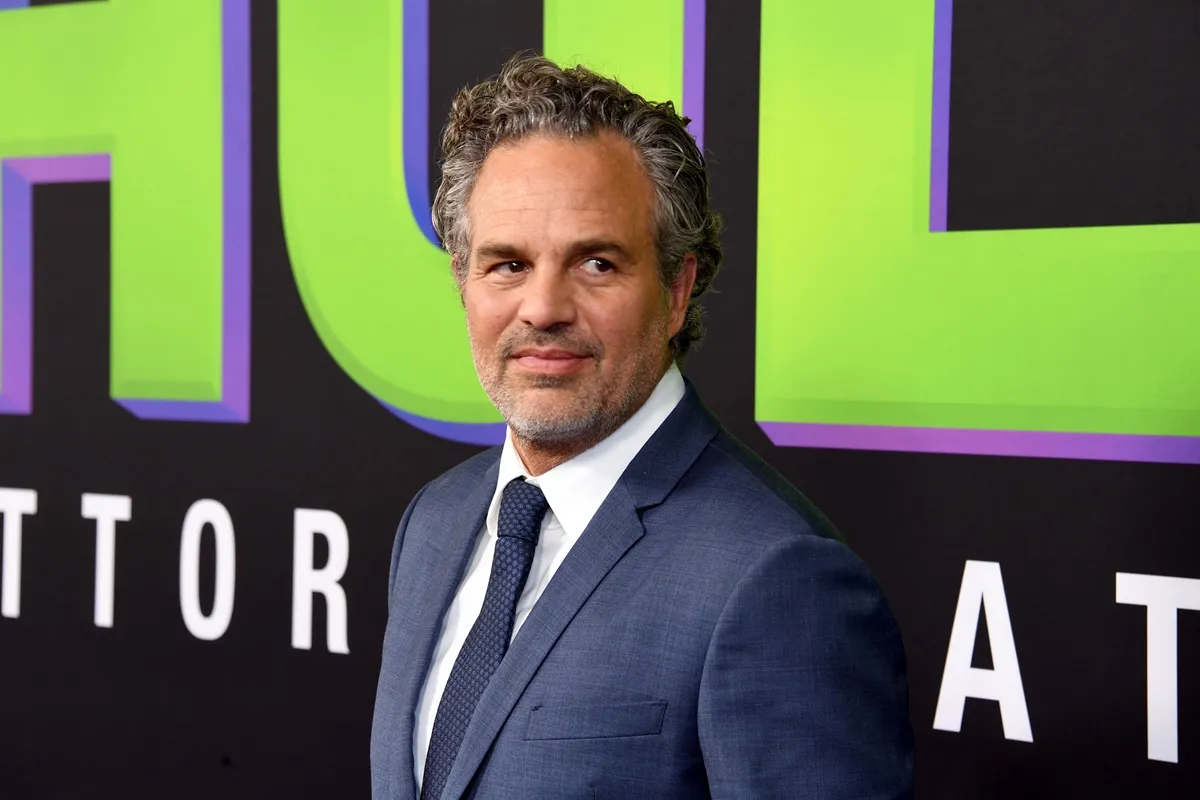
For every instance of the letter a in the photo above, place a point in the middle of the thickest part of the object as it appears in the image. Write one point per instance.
(982, 587)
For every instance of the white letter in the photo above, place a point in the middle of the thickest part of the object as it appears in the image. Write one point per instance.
(1162, 597)
(14, 503)
(982, 585)
(107, 510)
(306, 581)
(202, 513)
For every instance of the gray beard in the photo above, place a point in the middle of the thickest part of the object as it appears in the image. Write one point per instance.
(583, 431)
(556, 431)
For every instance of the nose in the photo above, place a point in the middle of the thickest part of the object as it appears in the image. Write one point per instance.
(547, 299)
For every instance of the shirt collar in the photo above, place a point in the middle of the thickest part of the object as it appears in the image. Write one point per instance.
(576, 488)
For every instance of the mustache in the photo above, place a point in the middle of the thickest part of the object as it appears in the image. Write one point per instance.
(549, 339)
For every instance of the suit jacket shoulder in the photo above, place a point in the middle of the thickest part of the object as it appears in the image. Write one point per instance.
(428, 516)
(732, 505)
(770, 498)
(459, 480)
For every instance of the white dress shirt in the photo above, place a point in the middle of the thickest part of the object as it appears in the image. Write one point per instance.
(574, 490)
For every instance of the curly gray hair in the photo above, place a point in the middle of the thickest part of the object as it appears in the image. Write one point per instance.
(533, 95)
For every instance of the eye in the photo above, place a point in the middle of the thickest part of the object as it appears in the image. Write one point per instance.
(597, 266)
(507, 268)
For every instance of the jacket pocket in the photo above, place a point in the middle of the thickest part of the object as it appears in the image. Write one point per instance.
(596, 721)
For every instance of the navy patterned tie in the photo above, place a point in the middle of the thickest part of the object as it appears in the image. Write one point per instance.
(521, 510)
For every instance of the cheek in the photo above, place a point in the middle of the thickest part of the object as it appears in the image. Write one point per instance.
(486, 317)
(624, 324)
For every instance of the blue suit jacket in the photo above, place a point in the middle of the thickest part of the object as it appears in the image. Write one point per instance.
(708, 635)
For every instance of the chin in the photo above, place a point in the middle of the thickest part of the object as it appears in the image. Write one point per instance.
(552, 405)
(551, 428)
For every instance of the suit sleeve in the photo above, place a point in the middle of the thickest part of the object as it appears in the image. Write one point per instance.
(398, 545)
(804, 692)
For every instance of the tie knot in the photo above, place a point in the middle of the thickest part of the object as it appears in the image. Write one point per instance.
(522, 507)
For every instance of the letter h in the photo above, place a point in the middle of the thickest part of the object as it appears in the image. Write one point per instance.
(156, 97)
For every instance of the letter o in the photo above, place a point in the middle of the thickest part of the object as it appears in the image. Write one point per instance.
(206, 513)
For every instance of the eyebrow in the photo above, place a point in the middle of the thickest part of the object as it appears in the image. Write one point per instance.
(495, 251)
(589, 247)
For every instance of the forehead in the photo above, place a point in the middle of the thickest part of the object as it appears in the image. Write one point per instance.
(544, 191)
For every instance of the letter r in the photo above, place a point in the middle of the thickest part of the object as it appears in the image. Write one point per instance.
(154, 96)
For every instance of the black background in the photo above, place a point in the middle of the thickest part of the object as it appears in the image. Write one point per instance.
(1064, 113)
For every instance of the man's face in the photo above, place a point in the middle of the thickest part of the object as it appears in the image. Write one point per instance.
(568, 319)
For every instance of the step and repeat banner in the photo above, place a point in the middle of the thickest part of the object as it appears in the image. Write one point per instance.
(960, 310)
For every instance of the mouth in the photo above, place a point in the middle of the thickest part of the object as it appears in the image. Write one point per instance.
(548, 360)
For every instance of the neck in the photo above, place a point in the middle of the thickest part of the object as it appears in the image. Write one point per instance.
(541, 457)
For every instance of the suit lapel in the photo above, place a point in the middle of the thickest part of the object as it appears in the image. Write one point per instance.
(614, 529)
(458, 542)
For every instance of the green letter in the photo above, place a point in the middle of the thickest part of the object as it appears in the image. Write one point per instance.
(876, 332)
(155, 95)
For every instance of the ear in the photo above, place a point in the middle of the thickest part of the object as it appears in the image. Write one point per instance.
(680, 293)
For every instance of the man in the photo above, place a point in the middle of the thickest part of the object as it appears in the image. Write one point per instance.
(622, 601)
